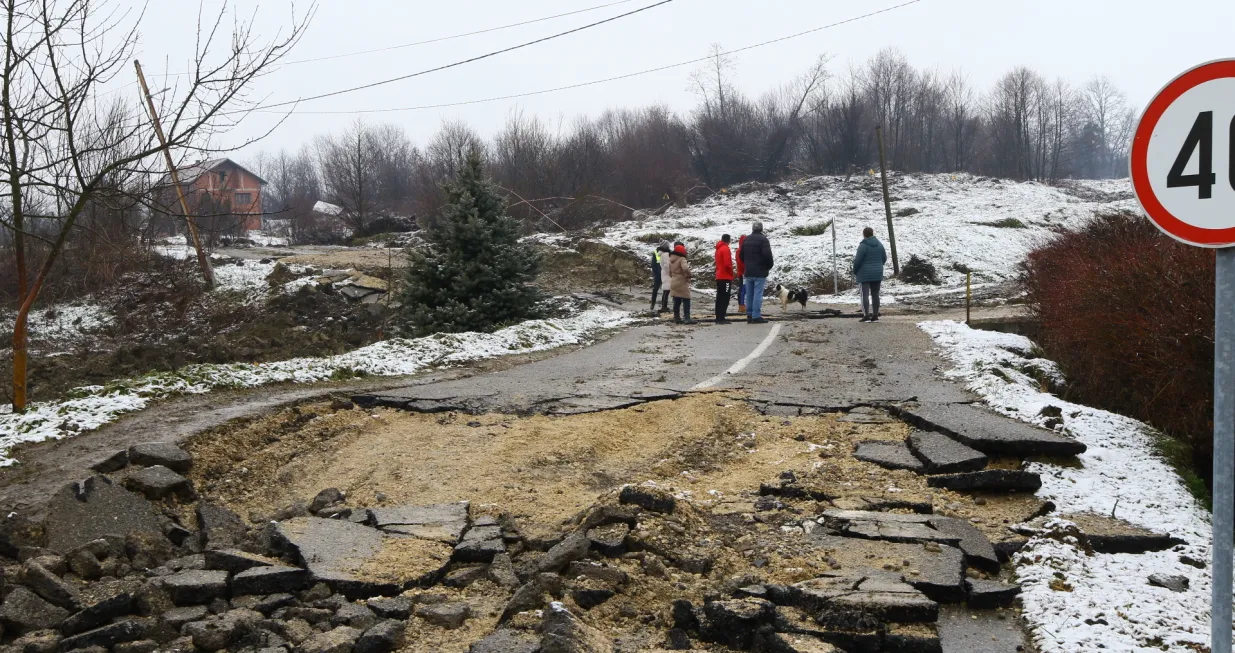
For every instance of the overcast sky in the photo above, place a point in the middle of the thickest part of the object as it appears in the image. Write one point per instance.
(1140, 44)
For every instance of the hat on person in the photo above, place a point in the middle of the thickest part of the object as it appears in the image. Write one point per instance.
(680, 249)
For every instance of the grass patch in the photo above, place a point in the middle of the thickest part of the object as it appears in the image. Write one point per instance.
(658, 237)
(960, 267)
(817, 229)
(1006, 223)
(1178, 454)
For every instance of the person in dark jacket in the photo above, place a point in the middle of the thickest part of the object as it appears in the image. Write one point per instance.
(660, 265)
(757, 263)
(724, 279)
(868, 269)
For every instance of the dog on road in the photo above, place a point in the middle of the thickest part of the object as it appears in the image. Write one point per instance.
(789, 295)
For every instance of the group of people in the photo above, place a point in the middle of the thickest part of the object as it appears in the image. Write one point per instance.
(671, 276)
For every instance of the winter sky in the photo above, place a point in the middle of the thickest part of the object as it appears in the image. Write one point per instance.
(1140, 44)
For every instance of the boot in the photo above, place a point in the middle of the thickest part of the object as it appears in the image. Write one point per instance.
(741, 308)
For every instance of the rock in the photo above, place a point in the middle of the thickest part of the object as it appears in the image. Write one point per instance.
(465, 575)
(112, 463)
(195, 587)
(163, 454)
(1107, 534)
(91, 509)
(99, 612)
(989, 594)
(574, 547)
(24, 610)
(445, 615)
(397, 607)
(648, 498)
(978, 550)
(39, 641)
(1173, 583)
(139, 646)
(585, 569)
(234, 560)
(158, 482)
(220, 528)
(338, 553)
(383, 637)
(889, 454)
(269, 580)
(85, 564)
(609, 539)
(177, 617)
(1193, 562)
(591, 594)
(106, 636)
(502, 572)
(339, 640)
(790, 643)
(211, 635)
(52, 562)
(17, 532)
(480, 544)
(684, 616)
(443, 522)
(325, 499)
(561, 632)
(148, 550)
(49, 586)
(989, 432)
(355, 615)
(734, 622)
(677, 640)
(988, 480)
(943, 455)
(529, 596)
(296, 630)
(505, 640)
(264, 604)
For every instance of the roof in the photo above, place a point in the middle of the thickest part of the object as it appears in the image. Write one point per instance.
(190, 173)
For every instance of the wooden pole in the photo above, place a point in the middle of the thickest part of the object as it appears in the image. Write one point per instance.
(887, 204)
(968, 295)
(835, 273)
(202, 260)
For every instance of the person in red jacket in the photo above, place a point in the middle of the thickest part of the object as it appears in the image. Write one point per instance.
(741, 274)
(724, 279)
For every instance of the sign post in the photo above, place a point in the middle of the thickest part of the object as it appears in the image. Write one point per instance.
(1183, 172)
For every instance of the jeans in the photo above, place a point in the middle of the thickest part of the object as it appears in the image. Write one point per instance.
(870, 298)
(754, 297)
(723, 290)
(678, 304)
(741, 291)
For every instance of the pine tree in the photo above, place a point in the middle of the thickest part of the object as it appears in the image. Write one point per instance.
(474, 274)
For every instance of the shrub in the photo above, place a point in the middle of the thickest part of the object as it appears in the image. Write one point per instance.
(919, 271)
(817, 229)
(1128, 313)
(658, 237)
(1006, 223)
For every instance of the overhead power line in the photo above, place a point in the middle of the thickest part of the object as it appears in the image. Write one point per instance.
(465, 61)
(596, 81)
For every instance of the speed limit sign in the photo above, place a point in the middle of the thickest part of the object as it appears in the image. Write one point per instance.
(1183, 172)
(1183, 156)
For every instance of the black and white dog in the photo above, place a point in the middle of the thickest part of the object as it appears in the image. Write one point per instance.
(788, 295)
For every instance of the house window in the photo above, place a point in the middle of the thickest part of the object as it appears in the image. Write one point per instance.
(222, 177)
(242, 199)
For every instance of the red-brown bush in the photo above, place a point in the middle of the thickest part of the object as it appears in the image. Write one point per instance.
(1128, 313)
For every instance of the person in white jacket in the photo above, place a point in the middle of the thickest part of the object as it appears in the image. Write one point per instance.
(664, 277)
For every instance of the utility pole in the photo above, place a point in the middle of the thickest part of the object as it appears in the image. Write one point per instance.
(835, 274)
(202, 260)
(887, 204)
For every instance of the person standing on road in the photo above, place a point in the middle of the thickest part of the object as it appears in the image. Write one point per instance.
(664, 275)
(679, 284)
(660, 265)
(724, 279)
(741, 280)
(757, 263)
(868, 268)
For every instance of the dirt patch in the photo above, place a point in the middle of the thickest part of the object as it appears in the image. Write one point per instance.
(365, 259)
(587, 264)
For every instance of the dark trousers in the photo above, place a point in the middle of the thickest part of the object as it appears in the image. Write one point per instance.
(664, 300)
(655, 291)
(681, 304)
(870, 298)
(724, 289)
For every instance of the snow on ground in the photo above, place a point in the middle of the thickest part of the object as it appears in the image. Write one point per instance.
(1111, 606)
(263, 239)
(90, 407)
(957, 224)
(61, 323)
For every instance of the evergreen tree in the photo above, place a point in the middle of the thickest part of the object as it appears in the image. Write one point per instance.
(474, 274)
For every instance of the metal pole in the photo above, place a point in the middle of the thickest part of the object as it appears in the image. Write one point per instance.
(835, 274)
(202, 260)
(968, 295)
(887, 204)
(1224, 449)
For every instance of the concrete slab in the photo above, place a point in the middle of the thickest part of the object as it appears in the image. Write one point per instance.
(86, 511)
(989, 432)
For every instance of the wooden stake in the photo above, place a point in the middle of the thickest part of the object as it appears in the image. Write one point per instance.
(202, 260)
(887, 204)
(968, 295)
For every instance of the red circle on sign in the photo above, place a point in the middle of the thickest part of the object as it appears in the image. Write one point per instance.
(1138, 161)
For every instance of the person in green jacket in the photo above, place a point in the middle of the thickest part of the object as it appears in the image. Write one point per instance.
(868, 269)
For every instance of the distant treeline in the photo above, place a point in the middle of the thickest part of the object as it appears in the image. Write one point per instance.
(573, 173)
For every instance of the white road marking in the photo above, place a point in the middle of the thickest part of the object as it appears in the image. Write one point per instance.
(741, 365)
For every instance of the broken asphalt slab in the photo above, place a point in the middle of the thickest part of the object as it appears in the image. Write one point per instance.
(943, 455)
(988, 480)
(988, 432)
(889, 454)
(443, 522)
(1107, 534)
(91, 509)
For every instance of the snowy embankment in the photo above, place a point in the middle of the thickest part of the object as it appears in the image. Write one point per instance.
(90, 407)
(956, 222)
(1110, 604)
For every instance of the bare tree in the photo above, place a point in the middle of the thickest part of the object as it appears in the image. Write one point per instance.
(63, 144)
(960, 120)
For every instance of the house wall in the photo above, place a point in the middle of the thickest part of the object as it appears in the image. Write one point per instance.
(236, 180)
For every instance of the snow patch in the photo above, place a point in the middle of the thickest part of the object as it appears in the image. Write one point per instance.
(1110, 605)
